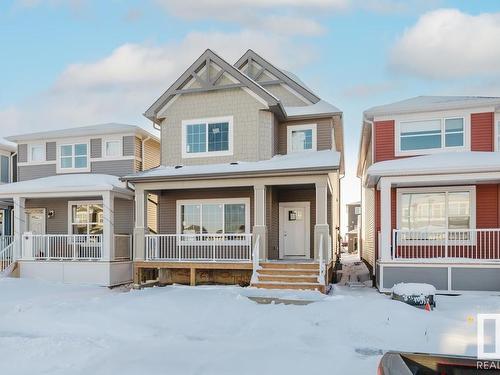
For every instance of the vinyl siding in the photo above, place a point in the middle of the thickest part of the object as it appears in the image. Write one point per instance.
(113, 167)
(124, 219)
(22, 153)
(50, 151)
(367, 243)
(323, 133)
(152, 154)
(96, 148)
(129, 145)
(482, 131)
(384, 140)
(487, 206)
(167, 218)
(30, 172)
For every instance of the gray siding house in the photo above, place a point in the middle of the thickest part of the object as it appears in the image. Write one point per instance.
(73, 217)
(248, 186)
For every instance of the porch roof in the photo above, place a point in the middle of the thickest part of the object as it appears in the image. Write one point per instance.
(325, 160)
(67, 183)
(441, 163)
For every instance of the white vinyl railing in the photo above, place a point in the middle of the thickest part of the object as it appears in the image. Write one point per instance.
(6, 256)
(464, 244)
(199, 247)
(5, 241)
(123, 246)
(62, 246)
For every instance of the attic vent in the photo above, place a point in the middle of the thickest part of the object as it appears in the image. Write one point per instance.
(178, 166)
(234, 163)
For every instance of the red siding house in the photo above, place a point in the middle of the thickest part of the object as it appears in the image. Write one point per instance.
(430, 172)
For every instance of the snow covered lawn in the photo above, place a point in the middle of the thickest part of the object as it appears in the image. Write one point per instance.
(62, 329)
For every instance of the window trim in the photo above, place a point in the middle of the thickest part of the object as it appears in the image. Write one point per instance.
(206, 121)
(243, 200)
(439, 189)
(72, 169)
(30, 153)
(76, 203)
(443, 148)
(104, 148)
(291, 128)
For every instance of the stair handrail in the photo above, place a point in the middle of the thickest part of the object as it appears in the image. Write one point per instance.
(322, 268)
(255, 259)
(7, 257)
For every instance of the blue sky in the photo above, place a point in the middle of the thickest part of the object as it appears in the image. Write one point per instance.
(76, 62)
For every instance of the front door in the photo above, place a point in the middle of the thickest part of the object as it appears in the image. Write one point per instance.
(294, 230)
(35, 220)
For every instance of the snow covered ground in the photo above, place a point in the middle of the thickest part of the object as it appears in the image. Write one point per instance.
(62, 329)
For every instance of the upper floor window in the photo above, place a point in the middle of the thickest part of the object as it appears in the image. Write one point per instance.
(4, 169)
(113, 148)
(431, 134)
(207, 137)
(73, 156)
(37, 153)
(301, 138)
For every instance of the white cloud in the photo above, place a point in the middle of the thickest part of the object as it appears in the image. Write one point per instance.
(448, 43)
(121, 86)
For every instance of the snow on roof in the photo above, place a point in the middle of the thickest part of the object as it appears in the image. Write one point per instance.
(446, 162)
(66, 183)
(98, 129)
(320, 108)
(431, 103)
(317, 160)
(7, 146)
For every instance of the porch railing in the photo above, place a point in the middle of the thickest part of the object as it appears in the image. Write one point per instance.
(464, 244)
(62, 246)
(199, 247)
(5, 241)
(6, 257)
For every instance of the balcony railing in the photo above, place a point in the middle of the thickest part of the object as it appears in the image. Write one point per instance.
(199, 247)
(451, 244)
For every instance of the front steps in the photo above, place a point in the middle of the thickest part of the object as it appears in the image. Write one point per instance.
(289, 275)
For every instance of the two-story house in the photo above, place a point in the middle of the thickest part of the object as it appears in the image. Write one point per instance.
(430, 170)
(7, 175)
(73, 217)
(248, 186)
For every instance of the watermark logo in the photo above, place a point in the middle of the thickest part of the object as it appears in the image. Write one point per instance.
(488, 336)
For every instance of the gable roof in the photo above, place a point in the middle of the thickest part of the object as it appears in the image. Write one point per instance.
(431, 103)
(82, 131)
(283, 76)
(208, 57)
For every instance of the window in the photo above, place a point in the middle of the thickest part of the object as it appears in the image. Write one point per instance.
(86, 218)
(73, 156)
(431, 134)
(4, 169)
(37, 153)
(231, 217)
(113, 148)
(210, 137)
(301, 138)
(436, 210)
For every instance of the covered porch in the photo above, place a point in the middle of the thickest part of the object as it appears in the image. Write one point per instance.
(72, 228)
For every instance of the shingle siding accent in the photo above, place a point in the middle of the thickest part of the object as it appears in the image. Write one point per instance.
(50, 151)
(129, 145)
(96, 148)
(113, 167)
(30, 172)
(22, 153)
(482, 131)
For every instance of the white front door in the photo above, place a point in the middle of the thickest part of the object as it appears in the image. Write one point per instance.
(294, 230)
(35, 220)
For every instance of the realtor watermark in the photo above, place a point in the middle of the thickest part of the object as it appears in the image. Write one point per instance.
(488, 341)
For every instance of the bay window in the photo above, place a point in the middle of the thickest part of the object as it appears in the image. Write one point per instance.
(207, 137)
(73, 156)
(435, 134)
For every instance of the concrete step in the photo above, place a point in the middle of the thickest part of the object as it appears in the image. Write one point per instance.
(288, 279)
(289, 272)
(290, 265)
(293, 286)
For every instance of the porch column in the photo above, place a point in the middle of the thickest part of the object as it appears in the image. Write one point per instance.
(19, 224)
(321, 227)
(108, 235)
(141, 197)
(260, 228)
(385, 219)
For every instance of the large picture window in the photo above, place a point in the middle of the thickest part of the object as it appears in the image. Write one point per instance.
(74, 156)
(209, 137)
(422, 211)
(86, 218)
(214, 217)
(446, 133)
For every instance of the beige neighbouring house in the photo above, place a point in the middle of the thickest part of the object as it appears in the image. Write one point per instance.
(248, 187)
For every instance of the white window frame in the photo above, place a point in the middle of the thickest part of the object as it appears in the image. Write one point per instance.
(291, 128)
(72, 169)
(206, 121)
(105, 141)
(30, 153)
(443, 148)
(440, 189)
(70, 214)
(245, 201)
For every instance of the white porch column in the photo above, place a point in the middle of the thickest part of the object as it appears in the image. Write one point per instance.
(260, 228)
(385, 219)
(321, 227)
(19, 225)
(108, 240)
(141, 197)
